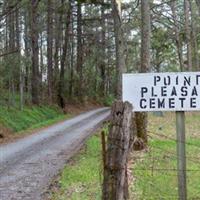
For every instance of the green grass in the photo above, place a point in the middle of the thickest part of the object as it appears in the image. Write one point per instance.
(155, 170)
(30, 117)
(81, 179)
(154, 175)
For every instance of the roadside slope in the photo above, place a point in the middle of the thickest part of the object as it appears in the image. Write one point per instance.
(14, 122)
(27, 166)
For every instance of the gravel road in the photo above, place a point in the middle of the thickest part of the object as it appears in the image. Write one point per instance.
(28, 165)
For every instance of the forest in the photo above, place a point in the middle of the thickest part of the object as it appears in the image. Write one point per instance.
(57, 54)
(62, 51)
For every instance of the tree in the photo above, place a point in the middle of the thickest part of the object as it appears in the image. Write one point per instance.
(103, 53)
(79, 67)
(81, 55)
(58, 42)
(50, 48)
(35, 52)
(194, 39)
(177, 36)
(119, 45)
(27, 54)
(12, 47)
(141, 118)
(61, 96)
(18, 59)
(188, 34)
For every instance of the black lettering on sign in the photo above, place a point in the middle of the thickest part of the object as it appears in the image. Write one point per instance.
(143, 103)
(194, 91)
(156, 80)
(182, 102)
(197, 79)
(184, 91)
(193, 103)
(164, 91)
(171, 103)
(143, 91)
(152, 103)
(161, 103)
(167, 80)
(174, 93)
(177, 80)
(153, 93)
(187, 80)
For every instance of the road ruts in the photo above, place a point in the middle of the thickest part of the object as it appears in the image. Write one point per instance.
(28, 165)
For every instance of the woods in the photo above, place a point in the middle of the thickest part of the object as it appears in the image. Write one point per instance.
(62, 51)
(57, 54)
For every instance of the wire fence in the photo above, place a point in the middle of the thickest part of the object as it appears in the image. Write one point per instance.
(155, 169)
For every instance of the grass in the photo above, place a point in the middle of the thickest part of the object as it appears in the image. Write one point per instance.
(154, 175)
(30, 117)
(81, 179)
(155, 170)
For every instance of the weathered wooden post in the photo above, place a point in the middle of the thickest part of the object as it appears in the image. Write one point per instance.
(115, 184)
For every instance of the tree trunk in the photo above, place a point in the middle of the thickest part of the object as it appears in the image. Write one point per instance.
(49, 49)
(194, 39)
(61, 95)
(79, 53)
(35, 52)
(42, 68)
(20, 66)
(71, 55)
(11, 21)
(188, 34)
(178, 40)
(145, 36)
(27, 54)
(12, 47)
(58, 33)
(119, 43)
(141, 117)
(115, 184)
(103, 53)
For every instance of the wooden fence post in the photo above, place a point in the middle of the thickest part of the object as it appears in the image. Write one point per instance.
(115, 184)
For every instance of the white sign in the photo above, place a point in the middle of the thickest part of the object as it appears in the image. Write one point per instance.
(162, 91)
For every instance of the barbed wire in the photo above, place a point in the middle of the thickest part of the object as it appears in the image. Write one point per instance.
(152, 164)
(192, 159)
(165, 169)
(173, 139)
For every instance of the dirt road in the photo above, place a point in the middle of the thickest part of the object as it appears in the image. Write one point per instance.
(28, 165)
